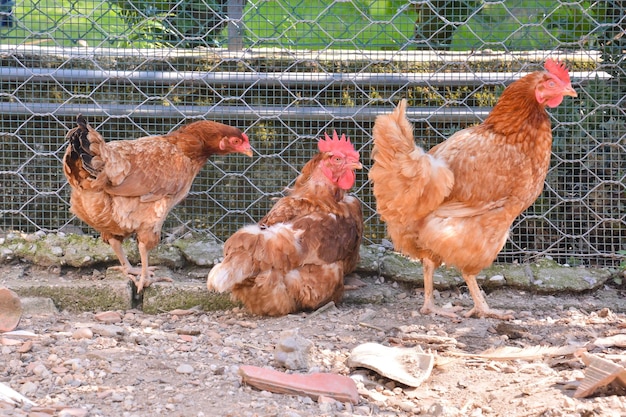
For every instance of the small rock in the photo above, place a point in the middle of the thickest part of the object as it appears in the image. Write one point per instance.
(29, 387)
(38, 305)
(40, 370)
(188, 331)
(26, 347)
(178, 398)
(293, 350)
(325, 407)
(73, 412)
(108, 330)
(84, 333)
(185, 369)
(109, 317)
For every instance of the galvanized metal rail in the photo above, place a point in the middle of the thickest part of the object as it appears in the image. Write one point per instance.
(256, 79)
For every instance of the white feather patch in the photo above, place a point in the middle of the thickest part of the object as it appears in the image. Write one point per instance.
(220, 279)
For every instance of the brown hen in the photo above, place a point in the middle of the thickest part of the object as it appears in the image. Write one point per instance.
(296, 257)
(127, 187)
(456, 203)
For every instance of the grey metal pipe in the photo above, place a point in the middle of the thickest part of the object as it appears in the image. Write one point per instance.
(271, 79)
(227, 112)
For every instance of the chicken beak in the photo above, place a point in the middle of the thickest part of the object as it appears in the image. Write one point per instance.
(356, 165)
(247, 152)
(569, 91)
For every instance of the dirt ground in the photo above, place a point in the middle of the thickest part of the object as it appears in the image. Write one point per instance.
(187, 364)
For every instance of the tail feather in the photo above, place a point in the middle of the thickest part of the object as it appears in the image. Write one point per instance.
(85, 145)
(408, 183)
(251, 250)
(222, 278)
(80, 140)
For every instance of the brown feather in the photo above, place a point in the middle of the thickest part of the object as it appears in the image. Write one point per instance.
(295, 258)
(128, 187)
(455, 204)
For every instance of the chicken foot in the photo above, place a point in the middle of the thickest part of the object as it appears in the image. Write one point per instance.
(429, 306)
(145, 273)
(481, 309)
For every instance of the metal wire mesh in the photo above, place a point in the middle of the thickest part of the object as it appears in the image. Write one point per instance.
(288, 71)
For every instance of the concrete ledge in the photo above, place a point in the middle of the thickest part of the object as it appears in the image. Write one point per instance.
(76, 294)
(161, 297)
(37, 266)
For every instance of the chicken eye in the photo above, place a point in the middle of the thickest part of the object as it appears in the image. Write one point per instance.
(552, 84)
(235, 141)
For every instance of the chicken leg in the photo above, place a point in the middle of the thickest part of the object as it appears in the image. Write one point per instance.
(481, 309)
(145, 273)
(429, 306)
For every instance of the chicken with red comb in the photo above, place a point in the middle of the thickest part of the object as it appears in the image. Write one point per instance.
(455, 203)
(295, 258)
(128, 187)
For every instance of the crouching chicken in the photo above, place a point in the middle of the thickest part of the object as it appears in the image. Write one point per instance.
(127, 187)
(296, 257)
(455, 203)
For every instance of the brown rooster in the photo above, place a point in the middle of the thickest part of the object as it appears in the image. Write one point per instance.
(456, 203)
(128, 187)
(296, 257)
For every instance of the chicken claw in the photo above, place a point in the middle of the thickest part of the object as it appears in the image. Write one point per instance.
(481, 308)
(134, 271)
(490, 312)
(143, 282)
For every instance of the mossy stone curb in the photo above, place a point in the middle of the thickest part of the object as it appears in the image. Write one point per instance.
(77, 295)
(115, 291)
(162, 297)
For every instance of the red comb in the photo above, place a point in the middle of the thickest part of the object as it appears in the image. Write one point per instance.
(337, 144)
(558, 69)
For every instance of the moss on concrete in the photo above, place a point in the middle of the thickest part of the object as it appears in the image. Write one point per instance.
(159, 298)
(81, 297)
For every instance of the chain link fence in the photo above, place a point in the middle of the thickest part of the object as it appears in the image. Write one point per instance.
(288, 71)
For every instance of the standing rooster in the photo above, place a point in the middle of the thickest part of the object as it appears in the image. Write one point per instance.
(456, 203)
(128, 187)
(295, 258)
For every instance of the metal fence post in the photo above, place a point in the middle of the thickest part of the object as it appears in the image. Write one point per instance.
(235, 30)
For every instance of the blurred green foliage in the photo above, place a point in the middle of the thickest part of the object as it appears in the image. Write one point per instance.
(315, 24)
(64, 23)
(525, 25)
(318, 24)
(183, 24)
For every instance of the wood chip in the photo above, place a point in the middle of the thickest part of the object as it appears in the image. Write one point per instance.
(24, 334)
(188, 331)
(186, 337)
(314, 385)
(11, 396)
(26, 347)
(409, 366)
(618, 340)
(599, 372)
(6, 341)
(181, 312)
(510, 353)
